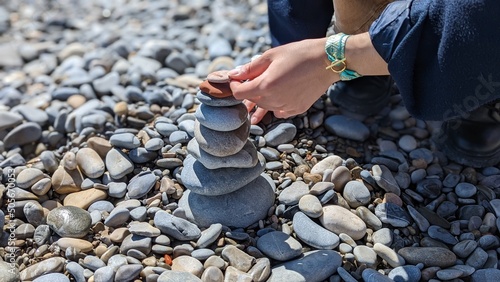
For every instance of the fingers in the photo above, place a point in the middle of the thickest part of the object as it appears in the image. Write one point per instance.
(258, 115)
(251, 70)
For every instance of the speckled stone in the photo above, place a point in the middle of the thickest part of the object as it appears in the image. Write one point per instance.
(69, 221)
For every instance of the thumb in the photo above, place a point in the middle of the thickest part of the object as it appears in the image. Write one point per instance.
(251, 70)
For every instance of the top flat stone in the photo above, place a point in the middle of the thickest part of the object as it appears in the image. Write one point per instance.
(218, 90)
(218, 77)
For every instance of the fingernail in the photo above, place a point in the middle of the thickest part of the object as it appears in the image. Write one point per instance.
(253, 120)
(236, 71)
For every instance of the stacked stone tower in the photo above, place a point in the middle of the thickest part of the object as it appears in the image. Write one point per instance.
(223, 171)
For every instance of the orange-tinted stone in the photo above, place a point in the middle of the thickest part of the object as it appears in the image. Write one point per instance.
(218, 90)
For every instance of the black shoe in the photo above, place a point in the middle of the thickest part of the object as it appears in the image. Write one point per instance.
(473, 140)
(366, 95)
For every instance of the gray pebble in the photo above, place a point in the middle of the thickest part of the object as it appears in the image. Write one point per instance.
(279, 246)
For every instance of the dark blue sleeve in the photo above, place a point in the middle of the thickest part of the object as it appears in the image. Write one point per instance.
(444, 55)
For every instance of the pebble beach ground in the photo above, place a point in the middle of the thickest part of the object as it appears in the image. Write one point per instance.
(98, 103)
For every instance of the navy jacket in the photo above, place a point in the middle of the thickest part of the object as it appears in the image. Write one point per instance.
(443, 54)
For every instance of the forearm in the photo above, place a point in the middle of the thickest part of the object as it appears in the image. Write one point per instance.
(362, 57)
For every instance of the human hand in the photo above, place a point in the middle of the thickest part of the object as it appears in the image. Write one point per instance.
(286, 80)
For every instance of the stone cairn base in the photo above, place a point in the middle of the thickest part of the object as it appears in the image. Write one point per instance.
(223, 171)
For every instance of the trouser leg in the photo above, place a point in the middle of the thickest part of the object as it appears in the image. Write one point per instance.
(294, 20)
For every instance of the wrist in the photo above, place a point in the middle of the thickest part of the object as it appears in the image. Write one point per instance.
(335, 49)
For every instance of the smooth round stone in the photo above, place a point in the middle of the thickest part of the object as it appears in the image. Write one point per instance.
(221, 143)
(176, 227)
(118, 163)
(486, 275)
(117, 189)
(346, 127)
(154, 144)
(117, 217)
(256, 130)
(117, 260)
(69, 221)
(9, 120)
(138, 214)
(90, 162)
(124, 140)
(80, 244)
(144, 229)
(209, 235)
(128, 272)
(365, 255)
(292, 194)
(85, 198)
(389, 255)
(187, 126)
(330, 162)
(371, 275)
(429, 188)
(311, 206)
(34, 213)
(477, 259)
(465, 190)
(76, 271)
(22, 134)
(187, 264)
(136, 242)
(165, 128)
(488, 242)
(218, 77)
(449, 274)
(384, 178)
(41, 187)
(441, 234)
(321, 187)
(202, 254)
(279, 246)
(451, 180)
(49, 160)
(240, 208)
(27, 177)
(24, 231)
(141, 184)
(141, 155)
(222, 118)
(214, 182)
(178, 276)
(50, 265)
(369, 218)
(52, 277)
(214, 274)
(246, 158)
(406, 273)
(41, 235)
(280, 134)
(356, 194)
(313, 266)
(313, 234)
(208, 100)
(340, 177)
(218, 90)
(104, 274)
(429, 256)
(340, 220)
(383, 236)
(464, 248)
(392, 214)
(92, 262)
(237, 258)
(422, 223)
(408, 143)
